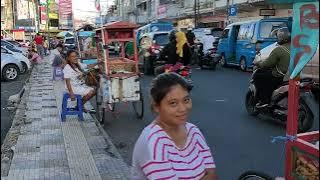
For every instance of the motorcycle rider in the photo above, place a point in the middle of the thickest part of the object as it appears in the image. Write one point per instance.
(190, 36)
(168, 53)
(273, 69)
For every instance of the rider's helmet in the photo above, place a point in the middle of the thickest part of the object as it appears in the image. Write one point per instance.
(190, 28)
(283, 35)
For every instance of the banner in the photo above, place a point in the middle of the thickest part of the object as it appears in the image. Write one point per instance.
(162, 12)
(305, 35)
(65, 14)
(24, 9)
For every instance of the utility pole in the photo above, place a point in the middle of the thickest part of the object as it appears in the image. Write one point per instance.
(196, 12)
(48, 21)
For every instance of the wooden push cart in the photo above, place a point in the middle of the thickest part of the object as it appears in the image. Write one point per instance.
(120, 77)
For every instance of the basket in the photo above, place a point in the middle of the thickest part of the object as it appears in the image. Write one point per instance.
(306, 166)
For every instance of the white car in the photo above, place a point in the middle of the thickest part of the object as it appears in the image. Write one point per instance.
(26, 64)
(10, 66)
(23, 50)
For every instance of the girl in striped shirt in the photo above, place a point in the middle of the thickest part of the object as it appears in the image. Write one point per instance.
(170, 147)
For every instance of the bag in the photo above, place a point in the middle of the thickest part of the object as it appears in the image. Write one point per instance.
(57, 73)
(92, 78)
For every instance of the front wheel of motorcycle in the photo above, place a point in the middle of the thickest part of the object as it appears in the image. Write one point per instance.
(305, 117)
(250, 104)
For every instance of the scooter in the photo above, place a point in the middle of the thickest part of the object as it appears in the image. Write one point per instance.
(210, 59)
(278, 107)
(179, 68)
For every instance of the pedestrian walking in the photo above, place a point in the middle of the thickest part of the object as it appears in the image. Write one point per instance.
(58, 63)
(170, 147)
(39, 44)
(46, 47)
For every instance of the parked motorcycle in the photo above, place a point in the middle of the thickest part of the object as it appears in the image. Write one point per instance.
(278, 107)
(210, 59)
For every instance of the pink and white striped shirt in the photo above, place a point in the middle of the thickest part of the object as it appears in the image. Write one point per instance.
(156, 156)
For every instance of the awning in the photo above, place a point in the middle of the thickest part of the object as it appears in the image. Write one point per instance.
(65, 34)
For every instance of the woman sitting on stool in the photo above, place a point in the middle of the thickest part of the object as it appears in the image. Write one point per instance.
(75, 83)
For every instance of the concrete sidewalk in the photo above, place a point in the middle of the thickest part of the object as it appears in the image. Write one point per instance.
(47, 148)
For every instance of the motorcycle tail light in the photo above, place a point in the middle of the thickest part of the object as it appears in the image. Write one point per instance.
(306, 86)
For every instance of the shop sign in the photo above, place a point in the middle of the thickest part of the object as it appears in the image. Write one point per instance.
(267, 12)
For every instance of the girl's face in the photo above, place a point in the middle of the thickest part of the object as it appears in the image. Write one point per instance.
(175, 106)
(73, 58)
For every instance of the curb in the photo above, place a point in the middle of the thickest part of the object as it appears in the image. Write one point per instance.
(11, 137)
(107, 138)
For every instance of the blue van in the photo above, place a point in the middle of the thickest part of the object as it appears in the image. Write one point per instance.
(240, 41)
(153, 27)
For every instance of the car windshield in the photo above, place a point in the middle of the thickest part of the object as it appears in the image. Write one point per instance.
(13, 49)
(217, 33)
(267, 28)
(161, 39)
(15, 43)
(70, 41)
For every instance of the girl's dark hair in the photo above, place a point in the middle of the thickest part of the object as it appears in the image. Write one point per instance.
(69, 52)
(162, 84)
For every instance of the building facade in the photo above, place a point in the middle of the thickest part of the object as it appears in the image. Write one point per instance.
(196, 13)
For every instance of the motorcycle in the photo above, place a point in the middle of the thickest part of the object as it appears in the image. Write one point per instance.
(179, 68)
(278, 107)
(210, 59)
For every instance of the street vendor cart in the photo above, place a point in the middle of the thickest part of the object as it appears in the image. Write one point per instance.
(301, 150)
(120, 77)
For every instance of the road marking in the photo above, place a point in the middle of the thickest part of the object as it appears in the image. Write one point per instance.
(220, 100)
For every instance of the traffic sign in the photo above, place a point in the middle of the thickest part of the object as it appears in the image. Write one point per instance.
(233, 11)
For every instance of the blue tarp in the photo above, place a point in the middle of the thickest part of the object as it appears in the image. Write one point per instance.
(85, 33)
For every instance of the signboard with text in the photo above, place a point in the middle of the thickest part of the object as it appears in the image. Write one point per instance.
(65, 14)
(267, 12)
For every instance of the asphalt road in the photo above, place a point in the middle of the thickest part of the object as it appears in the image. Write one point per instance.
(8, 89)
(238, 142)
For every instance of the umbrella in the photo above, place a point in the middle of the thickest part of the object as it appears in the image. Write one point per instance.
(65, 34)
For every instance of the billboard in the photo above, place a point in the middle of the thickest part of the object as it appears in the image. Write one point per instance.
(65, 14)
(24, 9)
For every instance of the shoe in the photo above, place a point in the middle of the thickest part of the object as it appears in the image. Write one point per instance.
(261, 105)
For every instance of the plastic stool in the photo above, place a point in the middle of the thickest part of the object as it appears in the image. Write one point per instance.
(71, 111)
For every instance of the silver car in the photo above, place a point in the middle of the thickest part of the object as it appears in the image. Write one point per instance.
(10, 66)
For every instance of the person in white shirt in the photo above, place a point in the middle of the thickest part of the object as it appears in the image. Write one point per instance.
(207, 42)
(74, 78)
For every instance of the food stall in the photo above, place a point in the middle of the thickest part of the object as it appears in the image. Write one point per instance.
(119, 76)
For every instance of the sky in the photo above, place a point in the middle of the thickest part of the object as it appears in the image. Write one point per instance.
(86, 10)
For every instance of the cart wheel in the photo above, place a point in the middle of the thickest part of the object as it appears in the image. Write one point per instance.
(255, 175)
(100, 110)
(111, 106)
(138, 107)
